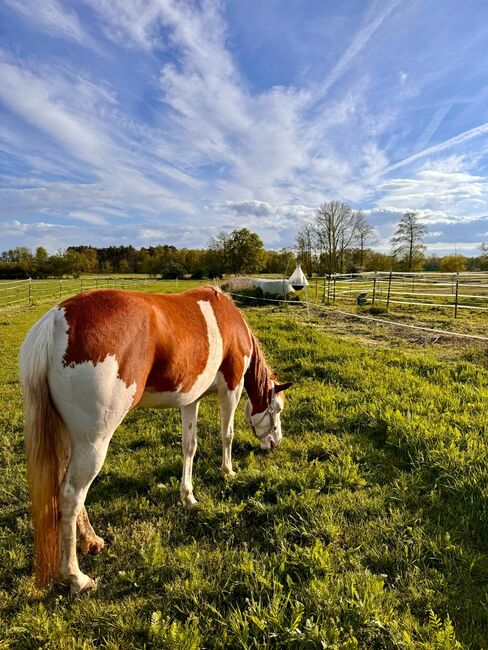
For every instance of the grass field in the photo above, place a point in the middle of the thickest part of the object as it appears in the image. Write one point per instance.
(367, 528)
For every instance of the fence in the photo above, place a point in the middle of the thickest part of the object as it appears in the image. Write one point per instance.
(454, 291)
(28, 292)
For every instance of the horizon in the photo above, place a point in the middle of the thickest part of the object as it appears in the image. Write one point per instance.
(167, 124)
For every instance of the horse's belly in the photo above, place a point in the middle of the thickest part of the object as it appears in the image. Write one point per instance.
(173, 398)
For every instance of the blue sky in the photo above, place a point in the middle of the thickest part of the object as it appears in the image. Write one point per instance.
(164, 121)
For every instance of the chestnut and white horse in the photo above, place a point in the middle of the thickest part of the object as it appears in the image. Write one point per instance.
(87, 362)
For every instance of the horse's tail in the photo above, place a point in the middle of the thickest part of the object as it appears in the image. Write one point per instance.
(45, 445)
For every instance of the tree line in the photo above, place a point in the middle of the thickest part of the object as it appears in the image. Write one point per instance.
(239, 251)
(337, 240)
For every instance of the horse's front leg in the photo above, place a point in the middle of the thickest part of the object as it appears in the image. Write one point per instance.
(229, 399)
(189, 444)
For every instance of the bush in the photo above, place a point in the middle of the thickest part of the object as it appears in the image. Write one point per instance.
(173, 271)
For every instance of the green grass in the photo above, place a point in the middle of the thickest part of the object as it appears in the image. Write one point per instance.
(367, 528)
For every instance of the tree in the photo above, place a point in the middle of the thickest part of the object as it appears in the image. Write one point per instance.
(217, 254)
(305, 247)
(245, 252)
(173, 270)
(335, 227)
(240, 251)
(453, 263)
(407, 243)
(365, 234)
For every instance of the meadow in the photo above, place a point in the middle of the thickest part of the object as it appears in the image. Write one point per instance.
(366, 528)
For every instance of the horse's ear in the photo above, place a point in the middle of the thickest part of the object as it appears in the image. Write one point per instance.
(281, 387)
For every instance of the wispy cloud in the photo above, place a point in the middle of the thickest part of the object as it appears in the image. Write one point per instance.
(180, 135)
(359, 42)
(51, 17)
(457, 140)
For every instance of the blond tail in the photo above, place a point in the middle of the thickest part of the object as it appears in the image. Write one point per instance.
(45, 445)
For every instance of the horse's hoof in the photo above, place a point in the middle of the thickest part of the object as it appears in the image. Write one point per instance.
(93, 545)
(228, 473)
(188, 501)
(84, 583)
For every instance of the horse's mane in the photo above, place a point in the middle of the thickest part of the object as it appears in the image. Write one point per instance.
(259, 368)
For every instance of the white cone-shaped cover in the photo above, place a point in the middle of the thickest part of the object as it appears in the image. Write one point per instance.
(298, 278)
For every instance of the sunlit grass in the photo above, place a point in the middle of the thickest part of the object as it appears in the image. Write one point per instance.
(367, 528)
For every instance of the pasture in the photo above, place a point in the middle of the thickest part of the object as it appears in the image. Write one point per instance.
(366, 528)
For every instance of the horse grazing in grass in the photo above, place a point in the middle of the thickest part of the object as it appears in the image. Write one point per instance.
(87, 362)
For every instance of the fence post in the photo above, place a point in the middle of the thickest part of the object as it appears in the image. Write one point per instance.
(334, 291)
(316, 286)
(81, 285)
(323, 294)
(389, 290)
(60, 287)
(374, 288)
(457, 294)
(30, 292)
(328, 289)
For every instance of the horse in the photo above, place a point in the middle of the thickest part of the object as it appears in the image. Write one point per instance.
(90, 360)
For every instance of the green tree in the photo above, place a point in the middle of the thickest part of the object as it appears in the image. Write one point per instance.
(408, 241)
(453, 263)
(245, 252)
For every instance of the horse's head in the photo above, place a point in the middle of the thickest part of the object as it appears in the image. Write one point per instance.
(267, 424)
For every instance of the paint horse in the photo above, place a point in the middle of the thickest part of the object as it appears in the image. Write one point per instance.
(97, 355)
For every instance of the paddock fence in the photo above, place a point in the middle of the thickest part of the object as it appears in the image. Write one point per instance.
(25, 293)
(384, 289)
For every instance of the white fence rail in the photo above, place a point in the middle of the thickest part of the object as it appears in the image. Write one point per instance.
(18, 293)
(453, 291)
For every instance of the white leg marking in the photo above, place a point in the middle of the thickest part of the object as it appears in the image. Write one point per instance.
(228, 399)
(189, 416)
(85, 463)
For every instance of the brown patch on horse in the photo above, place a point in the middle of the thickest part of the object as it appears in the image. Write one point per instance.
(151, 336)
(259, 379)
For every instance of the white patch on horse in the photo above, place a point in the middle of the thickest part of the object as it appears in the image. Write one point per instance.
(90, 397)
(177, 398)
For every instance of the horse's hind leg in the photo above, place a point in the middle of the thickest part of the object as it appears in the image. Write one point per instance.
(87, 456)
(90, 542)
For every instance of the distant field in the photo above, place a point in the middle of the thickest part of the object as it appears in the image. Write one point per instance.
(367, 528)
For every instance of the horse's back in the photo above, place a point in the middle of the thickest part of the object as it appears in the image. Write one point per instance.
(116, 349)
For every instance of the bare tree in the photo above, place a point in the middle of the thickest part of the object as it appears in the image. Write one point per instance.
(407, 243)
(365, 234)
(305, 247)
(336, 227)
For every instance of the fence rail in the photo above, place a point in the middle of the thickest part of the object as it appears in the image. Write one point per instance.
(18, 293)
(452, 291)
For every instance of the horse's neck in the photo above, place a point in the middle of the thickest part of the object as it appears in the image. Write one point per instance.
(258, 382)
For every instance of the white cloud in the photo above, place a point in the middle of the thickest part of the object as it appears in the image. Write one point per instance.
(461, 138)
(359, 42)
(51, 17)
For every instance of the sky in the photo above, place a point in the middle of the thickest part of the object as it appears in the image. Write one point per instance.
(168, 121)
